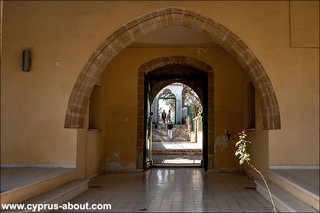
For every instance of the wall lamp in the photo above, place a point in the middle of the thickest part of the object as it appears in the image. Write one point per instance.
(26, 60)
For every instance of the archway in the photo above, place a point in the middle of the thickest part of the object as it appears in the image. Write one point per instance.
(177, 105)
(156, 74)
(166, 104)
(147, 23)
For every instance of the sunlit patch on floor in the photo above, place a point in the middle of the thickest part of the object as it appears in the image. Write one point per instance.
(181, 161)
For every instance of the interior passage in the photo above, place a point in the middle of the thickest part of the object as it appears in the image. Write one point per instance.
(175, 189)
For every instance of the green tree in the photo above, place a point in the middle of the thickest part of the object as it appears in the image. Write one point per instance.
(169, 99)
(190, 98)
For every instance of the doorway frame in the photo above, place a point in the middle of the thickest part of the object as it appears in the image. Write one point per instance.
(205, 92)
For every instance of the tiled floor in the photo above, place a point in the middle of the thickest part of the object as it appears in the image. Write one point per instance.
(168, 189)
(175, 190)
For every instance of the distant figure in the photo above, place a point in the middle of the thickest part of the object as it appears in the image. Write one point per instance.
(169, 116)
(163, 116)
(170, 127)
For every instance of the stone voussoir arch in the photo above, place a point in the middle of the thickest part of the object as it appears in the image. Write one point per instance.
(166, 17)
(163, 62)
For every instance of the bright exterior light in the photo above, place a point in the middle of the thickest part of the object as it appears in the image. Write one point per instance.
(180, 161)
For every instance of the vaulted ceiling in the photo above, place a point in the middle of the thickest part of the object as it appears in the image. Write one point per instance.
(174, 36)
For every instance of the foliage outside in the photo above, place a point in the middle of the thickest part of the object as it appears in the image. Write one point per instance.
(190, 98)
(169, 98)
(244, 157)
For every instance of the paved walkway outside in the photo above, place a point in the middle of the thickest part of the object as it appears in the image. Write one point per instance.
(175, 190)
(176, 160)
(176, 145)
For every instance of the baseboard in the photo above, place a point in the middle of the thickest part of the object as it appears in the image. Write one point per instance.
(95, 174)
(67, 166)
(226, 170)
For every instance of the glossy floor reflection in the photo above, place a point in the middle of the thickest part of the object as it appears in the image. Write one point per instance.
(175, 190)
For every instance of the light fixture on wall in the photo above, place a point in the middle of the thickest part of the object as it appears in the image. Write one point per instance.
(26, 60)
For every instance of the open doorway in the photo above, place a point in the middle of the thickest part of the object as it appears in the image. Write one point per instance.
(161, 72)
(166, 105)
(177, 105)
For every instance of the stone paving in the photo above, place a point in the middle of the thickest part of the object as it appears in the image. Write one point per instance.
(179, 152)
(176, 145)
(176, 154)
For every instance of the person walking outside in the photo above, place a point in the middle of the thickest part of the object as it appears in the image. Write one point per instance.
(169, 116)
(170, 127)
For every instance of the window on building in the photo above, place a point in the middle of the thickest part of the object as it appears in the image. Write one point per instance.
(94, 108)
(251, 109)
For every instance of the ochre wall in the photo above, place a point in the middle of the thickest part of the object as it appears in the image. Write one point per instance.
(120, 100)
(258, 149)
(294, 71)
(63, 35)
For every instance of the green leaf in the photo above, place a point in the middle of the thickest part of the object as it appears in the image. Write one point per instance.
(241, 161)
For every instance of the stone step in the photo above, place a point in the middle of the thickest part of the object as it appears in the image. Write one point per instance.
(59, 195)
(283, 200)
(294, 189)
(22, 193)
(177, 152)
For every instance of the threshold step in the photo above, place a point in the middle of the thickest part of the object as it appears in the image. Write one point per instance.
(284, 201)
(59, 195)
(300, 183)
(26, 183)
(177, 152)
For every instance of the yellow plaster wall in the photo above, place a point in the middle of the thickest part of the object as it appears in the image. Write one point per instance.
(95, 152)
(304, 20)
(258, 149)
(299, 101)
(119, 85)
(63, 35)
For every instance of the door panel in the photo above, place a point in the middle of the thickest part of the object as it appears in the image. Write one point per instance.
(148, 128)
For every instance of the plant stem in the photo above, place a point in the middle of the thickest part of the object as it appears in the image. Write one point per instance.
(265, 182)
